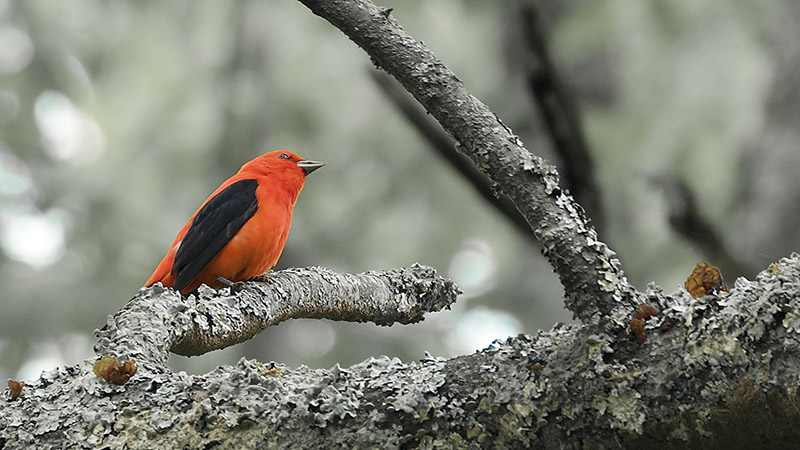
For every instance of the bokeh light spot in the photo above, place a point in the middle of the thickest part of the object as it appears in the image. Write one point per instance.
(16, 49)
(479, 327)
(311, 339)
(67, 134)
(15, 181)
(33, 238)
(474, 268)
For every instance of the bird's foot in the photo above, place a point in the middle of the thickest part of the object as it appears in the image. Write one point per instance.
(235, 286)
(225, 281)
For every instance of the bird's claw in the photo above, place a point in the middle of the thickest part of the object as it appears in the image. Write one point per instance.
(235, 286)
(225, 281)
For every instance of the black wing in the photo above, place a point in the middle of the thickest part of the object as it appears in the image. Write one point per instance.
(212, 228)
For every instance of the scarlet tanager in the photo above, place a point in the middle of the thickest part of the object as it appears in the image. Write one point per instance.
(239, 232)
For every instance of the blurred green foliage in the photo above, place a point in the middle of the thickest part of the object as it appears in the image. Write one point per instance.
(118, 118)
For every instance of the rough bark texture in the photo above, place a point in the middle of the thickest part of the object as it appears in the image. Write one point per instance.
(724, 373)
(159, 320)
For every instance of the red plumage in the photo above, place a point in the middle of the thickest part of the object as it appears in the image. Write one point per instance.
(240, 230)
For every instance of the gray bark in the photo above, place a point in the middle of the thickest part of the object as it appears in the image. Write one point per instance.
(726, 363)
(712, 371)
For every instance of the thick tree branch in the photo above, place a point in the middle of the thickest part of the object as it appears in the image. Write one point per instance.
(595, 287)
(158, 320)
(707, 370)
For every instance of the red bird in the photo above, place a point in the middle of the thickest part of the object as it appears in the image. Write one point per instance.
(239, 232)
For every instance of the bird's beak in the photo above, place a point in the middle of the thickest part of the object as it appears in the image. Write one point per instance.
(310, 166)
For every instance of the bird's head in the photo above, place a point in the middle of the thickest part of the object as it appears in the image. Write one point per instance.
(281, 168)
(282, 161)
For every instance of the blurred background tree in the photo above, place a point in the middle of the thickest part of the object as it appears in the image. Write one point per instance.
(118, 118)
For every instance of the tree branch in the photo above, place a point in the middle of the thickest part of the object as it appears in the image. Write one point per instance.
(212, 320)
(690, 222)
(709, 367)
(560, 114)
(595, 286)
(444, 146)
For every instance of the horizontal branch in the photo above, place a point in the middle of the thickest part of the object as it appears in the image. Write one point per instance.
(724, 364)
(211, 320)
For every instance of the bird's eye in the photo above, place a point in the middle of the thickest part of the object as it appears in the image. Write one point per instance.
(283, 155)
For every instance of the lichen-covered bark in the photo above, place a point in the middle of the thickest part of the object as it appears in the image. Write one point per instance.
(687, 386)
(158, 320)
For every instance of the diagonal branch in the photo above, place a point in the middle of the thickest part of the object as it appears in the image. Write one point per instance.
(560, 114)
(444, 146)
(593, 280)
(688, 219)
(213, 320)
